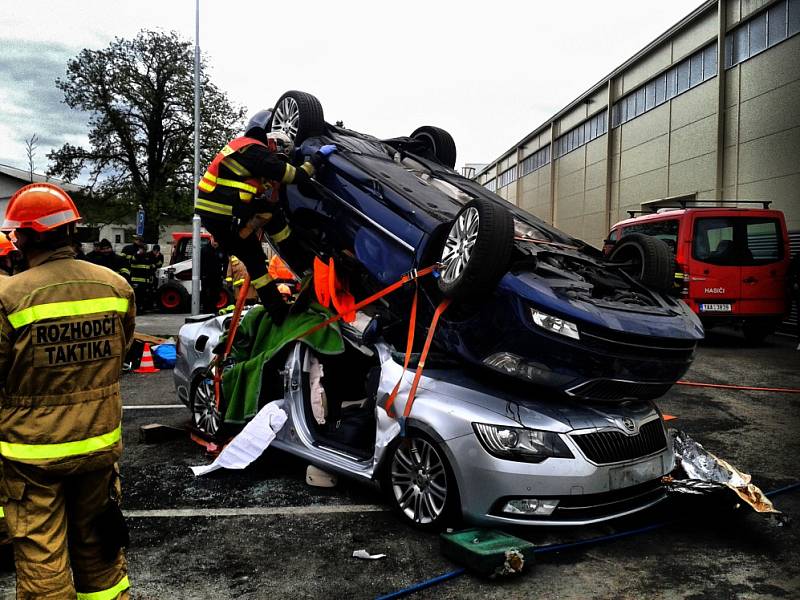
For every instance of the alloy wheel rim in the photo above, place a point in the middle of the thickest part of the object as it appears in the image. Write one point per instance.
(419, 481)
(459, 244)
(206, 415)
(287, 117)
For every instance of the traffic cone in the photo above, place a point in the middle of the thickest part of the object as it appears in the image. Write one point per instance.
(146, 366)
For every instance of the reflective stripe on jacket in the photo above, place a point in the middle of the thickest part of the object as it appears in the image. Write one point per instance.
(244, 185)
(65, 326)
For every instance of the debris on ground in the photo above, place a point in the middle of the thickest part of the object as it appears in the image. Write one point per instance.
(707, 474)
(318, 478)
(156, 432)
(487, 552)
(251, 442)
(365, 555)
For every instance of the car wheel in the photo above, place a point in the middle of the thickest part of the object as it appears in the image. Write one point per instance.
(441, 143)
(299, 115)
(420, 483)
(205, 415)
(225, 299)
(477, 249)
(646, 259)
(172, 297)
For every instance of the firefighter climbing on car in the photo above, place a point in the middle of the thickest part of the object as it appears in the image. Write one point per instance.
(65, 326)
(239, 195)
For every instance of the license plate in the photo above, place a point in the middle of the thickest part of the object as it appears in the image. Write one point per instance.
(715, 307)
(637, 473)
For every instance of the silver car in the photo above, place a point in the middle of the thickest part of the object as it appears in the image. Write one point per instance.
(488, 450)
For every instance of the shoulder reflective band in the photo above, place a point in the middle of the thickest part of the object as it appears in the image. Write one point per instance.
(108, 594)
(213, 207)
(2, 512)
(63, 450)
(73, 308)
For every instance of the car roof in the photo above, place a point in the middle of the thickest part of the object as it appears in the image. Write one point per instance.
(716, 211)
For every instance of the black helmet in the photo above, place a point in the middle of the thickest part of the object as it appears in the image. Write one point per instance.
(259, 120)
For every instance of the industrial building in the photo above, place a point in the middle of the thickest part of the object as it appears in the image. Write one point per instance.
(711, 107)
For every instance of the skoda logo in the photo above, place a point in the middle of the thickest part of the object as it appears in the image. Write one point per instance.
(629, 424)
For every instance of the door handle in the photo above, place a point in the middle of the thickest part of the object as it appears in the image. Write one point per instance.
(749, 280)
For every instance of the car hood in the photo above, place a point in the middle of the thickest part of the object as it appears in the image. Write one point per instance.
(673, 319)
(533, 408)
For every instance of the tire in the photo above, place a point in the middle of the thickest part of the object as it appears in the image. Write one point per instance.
(477, 249)
(205, 415)
(420, 483)
(172, 297)
(756, 331)
(225, 299)
(299, 115)
(646, 259)
(442, 144)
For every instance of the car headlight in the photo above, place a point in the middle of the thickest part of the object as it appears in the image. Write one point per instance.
(519, 443)
(555, 324)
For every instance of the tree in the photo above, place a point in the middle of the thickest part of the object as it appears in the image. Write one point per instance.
(140, 97)
(31, 144)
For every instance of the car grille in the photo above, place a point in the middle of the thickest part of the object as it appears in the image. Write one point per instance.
(613, 389)
(623, 344)
(605, 447)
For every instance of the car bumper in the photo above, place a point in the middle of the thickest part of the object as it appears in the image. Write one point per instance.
(586, 493)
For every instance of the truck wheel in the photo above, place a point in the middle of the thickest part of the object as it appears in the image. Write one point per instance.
(756, 330)
(442, 144)
(225, 299)
(477, 249)
(646, 259)
(173, 297)
(299, 115)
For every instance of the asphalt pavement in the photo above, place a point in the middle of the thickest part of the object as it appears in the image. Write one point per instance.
(263, 533)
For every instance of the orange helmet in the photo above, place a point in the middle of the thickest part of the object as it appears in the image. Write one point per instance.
(6, 245)
(41, 207)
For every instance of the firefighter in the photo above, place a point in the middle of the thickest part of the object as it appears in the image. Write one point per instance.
(65, 326)
(238, 196)
(142, 272)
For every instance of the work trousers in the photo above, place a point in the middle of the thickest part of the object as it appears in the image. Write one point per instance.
(57, 546)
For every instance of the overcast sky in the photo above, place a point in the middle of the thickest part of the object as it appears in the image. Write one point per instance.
(489, 72)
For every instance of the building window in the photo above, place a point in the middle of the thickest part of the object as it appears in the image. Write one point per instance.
(694, 70)
(709, 62)
(762, 31)
(491, 185)
(536, 160)
(582, 134)
(683, 76)
(507, 177)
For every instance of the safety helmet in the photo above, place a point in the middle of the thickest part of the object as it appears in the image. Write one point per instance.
(6, 245)
(279, 142)
(41, 207)
(260, 119)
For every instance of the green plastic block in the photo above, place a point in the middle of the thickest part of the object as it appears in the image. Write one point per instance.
(487, 552)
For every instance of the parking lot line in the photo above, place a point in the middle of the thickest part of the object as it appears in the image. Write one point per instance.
(255, 511)
(151, 406)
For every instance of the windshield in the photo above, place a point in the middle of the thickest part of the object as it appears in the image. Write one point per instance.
(729, 241)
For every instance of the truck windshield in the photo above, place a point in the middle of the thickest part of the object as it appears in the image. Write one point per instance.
(734, 241)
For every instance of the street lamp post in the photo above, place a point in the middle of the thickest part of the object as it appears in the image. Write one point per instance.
(196, 219)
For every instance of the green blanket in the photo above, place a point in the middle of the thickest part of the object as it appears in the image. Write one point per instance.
(258, 339)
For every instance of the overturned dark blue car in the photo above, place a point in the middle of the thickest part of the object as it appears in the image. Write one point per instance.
(528, 301)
